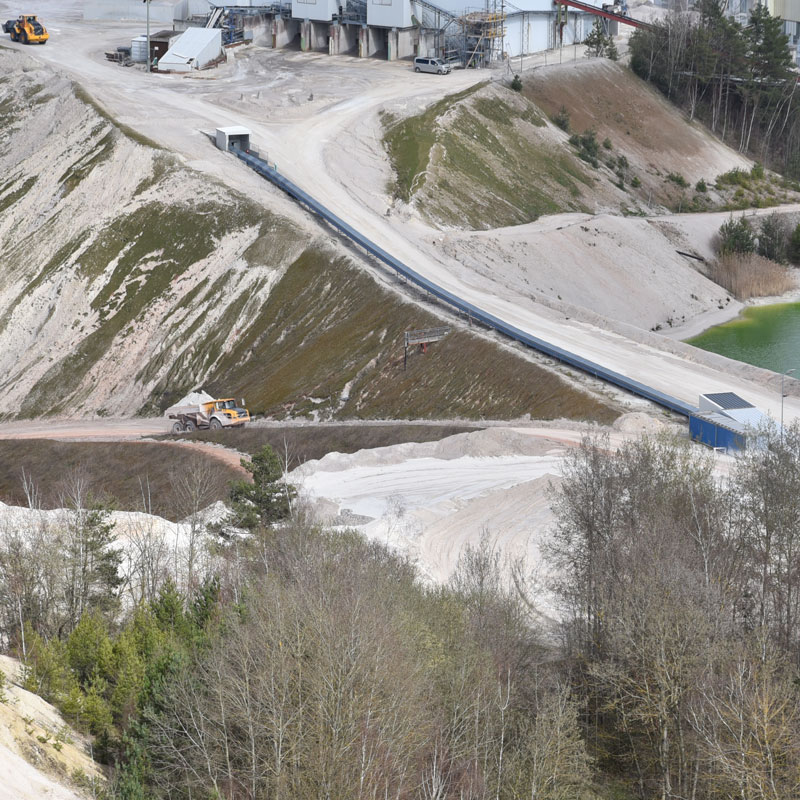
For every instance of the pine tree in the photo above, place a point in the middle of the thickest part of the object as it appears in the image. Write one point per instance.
(46, 669)
(92, 563)
(265, 501)
(773, 238)
(128, 671)
(767, 46)
(169, 614)
(596, 41)
(736, 236)
(89, 649)
(96, 710)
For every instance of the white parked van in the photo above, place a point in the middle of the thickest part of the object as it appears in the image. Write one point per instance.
(435, 65)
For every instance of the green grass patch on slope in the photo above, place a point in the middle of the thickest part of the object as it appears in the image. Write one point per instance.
(174, 238)
(102, 151)
(496, 177)
(329, 340)
(409, 141)
(132, 134)
(129, 476)
(485, 165)
(8, 198)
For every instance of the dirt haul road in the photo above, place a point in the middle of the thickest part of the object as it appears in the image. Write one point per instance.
(330, 146)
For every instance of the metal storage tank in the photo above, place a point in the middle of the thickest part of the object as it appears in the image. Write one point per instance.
(139, 49)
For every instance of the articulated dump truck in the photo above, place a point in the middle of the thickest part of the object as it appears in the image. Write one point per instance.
(200, 411)
(27, 29)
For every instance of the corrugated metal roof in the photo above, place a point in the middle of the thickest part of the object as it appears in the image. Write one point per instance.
(751, 416)
(728, 400)
(744, 420)
(724, 421)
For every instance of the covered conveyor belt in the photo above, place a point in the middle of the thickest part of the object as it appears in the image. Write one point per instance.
(602, 12)
(271, 173)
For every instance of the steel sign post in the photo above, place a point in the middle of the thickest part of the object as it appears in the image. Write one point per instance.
(783, 377)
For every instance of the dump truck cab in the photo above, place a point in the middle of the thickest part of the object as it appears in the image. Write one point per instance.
(26, 29)
(227, 413)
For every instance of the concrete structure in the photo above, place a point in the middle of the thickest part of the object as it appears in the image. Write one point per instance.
(233, 135)
(282, 31)
(315, 35)
(391, 29)
(193, 49)
(344, 38)
(389, 13)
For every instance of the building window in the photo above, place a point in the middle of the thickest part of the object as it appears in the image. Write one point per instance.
(381, 2)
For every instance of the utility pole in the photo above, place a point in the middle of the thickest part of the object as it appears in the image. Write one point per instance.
(783, 376)
(147, 57)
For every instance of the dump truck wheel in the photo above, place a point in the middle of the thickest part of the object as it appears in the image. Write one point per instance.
(177, 428)
(189, 426)
(215, 425)
(24, 38)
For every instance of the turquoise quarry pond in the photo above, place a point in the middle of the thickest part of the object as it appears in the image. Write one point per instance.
(766, 336)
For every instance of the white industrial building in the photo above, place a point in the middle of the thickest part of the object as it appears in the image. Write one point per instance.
(193, 49)
(390, 28)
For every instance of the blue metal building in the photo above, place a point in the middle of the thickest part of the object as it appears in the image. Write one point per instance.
(725, 420)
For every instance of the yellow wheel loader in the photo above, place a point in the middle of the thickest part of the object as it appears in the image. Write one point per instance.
(27, 29)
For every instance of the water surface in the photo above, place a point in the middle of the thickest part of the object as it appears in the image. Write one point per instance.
(766, 336)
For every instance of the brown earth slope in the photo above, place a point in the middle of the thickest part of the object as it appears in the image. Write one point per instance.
(490, 157)
(655, 137)
(487, 158)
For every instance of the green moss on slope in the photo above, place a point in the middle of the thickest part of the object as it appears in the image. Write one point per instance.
(326, 337)
(326, 325)
(171, 239)
(485, 166)
(409, 141)
(8, 198)
(83, 166)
